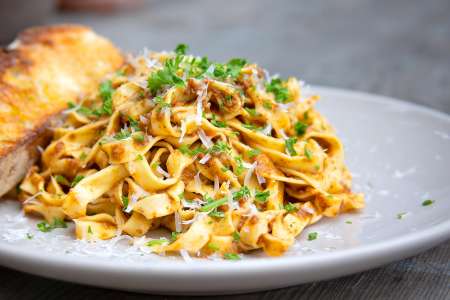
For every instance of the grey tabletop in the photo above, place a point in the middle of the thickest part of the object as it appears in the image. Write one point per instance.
(398, 48)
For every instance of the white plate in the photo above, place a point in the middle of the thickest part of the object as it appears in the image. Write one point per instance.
(400, 156)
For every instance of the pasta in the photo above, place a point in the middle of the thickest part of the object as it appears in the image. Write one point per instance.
(225, 157)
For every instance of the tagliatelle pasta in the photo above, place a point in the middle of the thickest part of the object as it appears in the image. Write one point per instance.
(225, 157)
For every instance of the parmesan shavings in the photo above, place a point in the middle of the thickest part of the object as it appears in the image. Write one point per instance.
(249, 174)
(162, 172)
(205, 159)
(206, 141)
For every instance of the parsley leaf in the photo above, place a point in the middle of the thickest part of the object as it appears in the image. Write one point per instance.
(262, 196)
(427, 202)
(181, 49)
(157, 242)
(46, 227)
(236, 236)
(215, 122)
(122, 134)
(219, 147)
(134, 123)
(125, 202)
(243, 192)
(289, 143)
(231, 256)
(166, 76)
(312, 236)
(253, 152)
(276, 87)
(308, 153)
(106, 91)
(76, 180)
(300, 128)
(290, 207)
(213, 247)
(213, 204)
(61, 179)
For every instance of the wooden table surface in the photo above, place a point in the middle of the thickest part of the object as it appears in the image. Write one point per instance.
(399, 48)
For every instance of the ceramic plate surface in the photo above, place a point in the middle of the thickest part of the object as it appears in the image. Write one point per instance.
(399, 154)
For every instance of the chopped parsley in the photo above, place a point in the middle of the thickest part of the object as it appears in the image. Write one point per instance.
(242, 193)
(139, 137)
(236, 236)
(185, 150)
(157, 242)
(166, 76)
(279, 91)
(181, 49)
(348, 222)
(289, 143)
(29, 236)
(122, 134)
(61, 179)
(253, 152)
(106, 91)
(174, 235)
(240, 165)
(300, 128)
(427, 202)
(213, 247)
(213, 204)
(125, 201)
(267, 105)
(134, 123)
(159, 101)
(215, 122)
(312, 236)
(89, 229)
(219, 147)
(76, 180)
(251, 126)
(231, 256)
(262, 196)
(308, 153)
(139, 157)
(231, 69)
(44, 226)
(401, 215)
(290, 207)
(82, 156)
(251, 111)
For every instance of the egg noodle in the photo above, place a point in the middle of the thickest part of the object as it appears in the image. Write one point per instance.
(224, 156)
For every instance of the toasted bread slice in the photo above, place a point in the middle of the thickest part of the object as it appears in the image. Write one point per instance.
(39, 73)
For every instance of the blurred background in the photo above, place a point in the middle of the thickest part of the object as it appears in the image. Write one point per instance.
(399, 48)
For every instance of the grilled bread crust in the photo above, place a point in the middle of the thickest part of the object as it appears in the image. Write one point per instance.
(43, 69)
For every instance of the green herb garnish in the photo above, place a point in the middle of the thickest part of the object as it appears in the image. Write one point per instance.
(308, 153)
(181, 49)
(44, 226)
(427, 202)
(219, 147)
(289, 143)
(213, 247)
(61, 179)
(300, 128)
(243, 192)
(106, 91)
(231, 256)
(76, 180)
(262, 196)
(279, 91)
(213, 204)
(125, 201)
(236, 236)
(215, 122)
(253, 152)
(157, 242)
(290, 207)
(312, 236)
(166, 76)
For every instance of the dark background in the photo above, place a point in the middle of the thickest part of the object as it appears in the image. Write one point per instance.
(398, 48)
